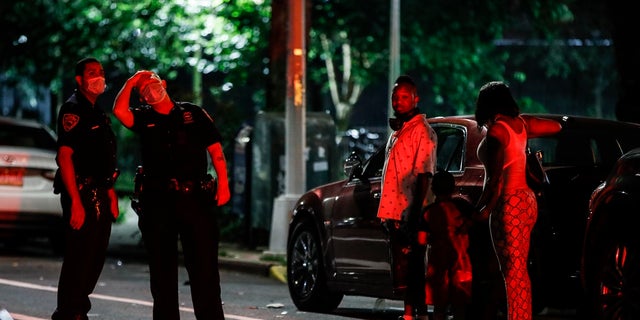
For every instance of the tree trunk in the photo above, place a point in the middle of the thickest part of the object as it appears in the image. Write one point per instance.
(276, 86)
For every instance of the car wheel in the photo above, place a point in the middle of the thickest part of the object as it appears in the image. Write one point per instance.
(305, 272)
(616, 290)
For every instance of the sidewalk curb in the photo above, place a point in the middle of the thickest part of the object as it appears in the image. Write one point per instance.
(254, 267)
(279, 273)
(240, 264)
(126, 243)
(235, 264)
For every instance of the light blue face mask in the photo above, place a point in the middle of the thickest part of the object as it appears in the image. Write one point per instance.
(154, 93)
(96, 85)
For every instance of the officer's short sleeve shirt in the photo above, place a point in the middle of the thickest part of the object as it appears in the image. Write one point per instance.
(175, 145)
(86, 129)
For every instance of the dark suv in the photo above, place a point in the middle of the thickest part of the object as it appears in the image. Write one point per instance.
(337, 246)
(611, 252)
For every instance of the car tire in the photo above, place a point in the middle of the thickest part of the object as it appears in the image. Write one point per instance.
(306, 276)
(615, 289)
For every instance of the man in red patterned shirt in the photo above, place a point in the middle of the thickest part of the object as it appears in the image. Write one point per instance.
(409, 164)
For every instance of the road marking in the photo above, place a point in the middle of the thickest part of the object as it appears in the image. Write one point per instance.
(28, 285)
(17, 316)
(95, 296)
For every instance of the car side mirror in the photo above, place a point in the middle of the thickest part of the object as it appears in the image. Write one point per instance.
(353, 165)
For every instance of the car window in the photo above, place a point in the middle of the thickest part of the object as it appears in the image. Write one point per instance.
(575, 150)
(628, 140)
(451, 142)
(20, 136)
(548, 146)
(373, 165)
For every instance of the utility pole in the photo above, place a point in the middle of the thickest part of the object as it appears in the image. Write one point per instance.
(394, 50)
(295, 133)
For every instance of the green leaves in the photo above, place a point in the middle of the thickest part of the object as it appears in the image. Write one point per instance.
(450, 47)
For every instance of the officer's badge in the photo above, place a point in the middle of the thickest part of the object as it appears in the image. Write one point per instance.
(187, 117)
(69, 120)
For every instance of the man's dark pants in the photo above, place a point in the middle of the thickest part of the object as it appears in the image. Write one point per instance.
(84, 254)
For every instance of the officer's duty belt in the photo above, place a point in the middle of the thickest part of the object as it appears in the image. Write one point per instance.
(93, 182)
(184, 186)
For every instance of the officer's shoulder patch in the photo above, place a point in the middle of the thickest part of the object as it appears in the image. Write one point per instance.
(69, 121)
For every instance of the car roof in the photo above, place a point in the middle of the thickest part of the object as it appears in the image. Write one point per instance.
(20, 122)
(625, 133)
(11, 128)
(572, 120)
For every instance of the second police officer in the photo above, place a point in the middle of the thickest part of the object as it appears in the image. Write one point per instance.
(87, 171)
(178, 197)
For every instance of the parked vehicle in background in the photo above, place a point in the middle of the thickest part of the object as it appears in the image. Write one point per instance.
(611, 252)
(337, 246)
(28, 206)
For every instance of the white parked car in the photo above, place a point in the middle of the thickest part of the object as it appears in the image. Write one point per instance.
(28, 206)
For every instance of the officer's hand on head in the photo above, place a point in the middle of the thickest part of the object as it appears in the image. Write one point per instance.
(139, 77)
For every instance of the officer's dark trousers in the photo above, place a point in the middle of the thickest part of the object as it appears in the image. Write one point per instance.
(84, 256)
(165, 218)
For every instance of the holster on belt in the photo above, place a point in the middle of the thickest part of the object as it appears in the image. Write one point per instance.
(209, 185)
(137, 189)
(85, 182)
(97, 182)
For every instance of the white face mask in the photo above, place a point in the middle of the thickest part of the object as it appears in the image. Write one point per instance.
(154, 93)
(96, 85)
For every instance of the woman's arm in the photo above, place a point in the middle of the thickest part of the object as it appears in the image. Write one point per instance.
(537, 127)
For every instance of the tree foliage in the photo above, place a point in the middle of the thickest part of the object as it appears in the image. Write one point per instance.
(223, 37)
(221, 47)
(229, 54)
(448, 46)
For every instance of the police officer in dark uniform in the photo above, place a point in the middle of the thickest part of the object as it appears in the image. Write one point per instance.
(87, 171)
(177, 197)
